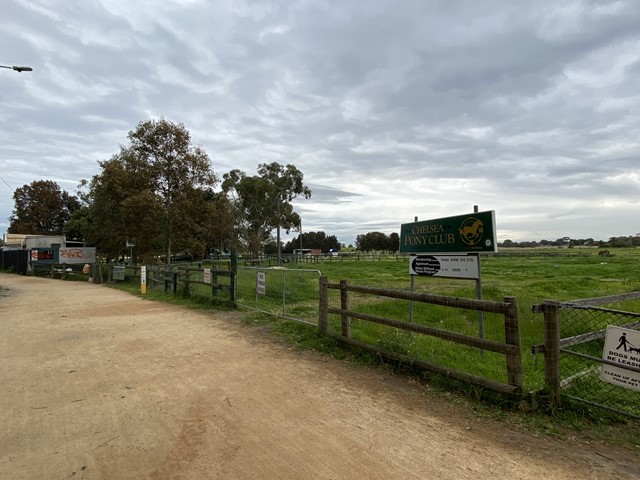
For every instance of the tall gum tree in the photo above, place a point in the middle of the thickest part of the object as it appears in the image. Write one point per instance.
(177, 169)
(149, 190)
(286, 184)
(253, 217)
(263, 202)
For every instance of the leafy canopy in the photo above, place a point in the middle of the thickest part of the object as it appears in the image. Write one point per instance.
(41, 208)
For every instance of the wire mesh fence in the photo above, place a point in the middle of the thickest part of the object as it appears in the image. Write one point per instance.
(283, 292)
(583, 357)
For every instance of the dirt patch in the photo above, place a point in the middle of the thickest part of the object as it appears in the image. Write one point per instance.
(99, 384)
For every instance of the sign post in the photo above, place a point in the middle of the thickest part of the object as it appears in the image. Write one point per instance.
(143, 279)
(463, 237)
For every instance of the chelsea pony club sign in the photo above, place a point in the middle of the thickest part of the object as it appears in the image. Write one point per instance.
(463, 234)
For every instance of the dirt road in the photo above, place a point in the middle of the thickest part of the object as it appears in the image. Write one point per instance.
(99, 384)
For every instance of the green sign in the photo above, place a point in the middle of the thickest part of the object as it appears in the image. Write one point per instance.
(472, 233)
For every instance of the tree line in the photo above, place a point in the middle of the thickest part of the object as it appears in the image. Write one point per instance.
(614, 242)
(158, 194)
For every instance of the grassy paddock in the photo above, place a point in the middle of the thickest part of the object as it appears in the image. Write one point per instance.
(531, 276)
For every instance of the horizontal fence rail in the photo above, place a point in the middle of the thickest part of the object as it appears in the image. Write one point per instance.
(192, 281)
(348, 312)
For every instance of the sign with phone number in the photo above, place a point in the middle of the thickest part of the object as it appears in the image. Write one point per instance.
(451, 266)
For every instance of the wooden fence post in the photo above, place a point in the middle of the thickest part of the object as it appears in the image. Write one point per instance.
(214, 284)
(344, 306)
(551, 309)
(233, 266)
(512, 337)
(323, 320)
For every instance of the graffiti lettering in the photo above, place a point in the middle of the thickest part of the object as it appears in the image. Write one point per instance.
(74, 253)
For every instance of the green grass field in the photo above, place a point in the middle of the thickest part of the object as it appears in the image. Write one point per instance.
(530, 276)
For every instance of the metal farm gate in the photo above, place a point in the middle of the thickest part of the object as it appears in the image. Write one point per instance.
(588, 356)
(283, 292)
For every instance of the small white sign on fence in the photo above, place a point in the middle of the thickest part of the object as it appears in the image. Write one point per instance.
(261, 283)
(622, 346)
(207, 276)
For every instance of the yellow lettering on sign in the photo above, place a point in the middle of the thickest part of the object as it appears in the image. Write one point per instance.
(439, 239)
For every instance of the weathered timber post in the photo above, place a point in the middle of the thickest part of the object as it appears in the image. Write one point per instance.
(214, 284)
(344, 306)
(323, 320)
(512, 337)
(234, 276)
(551, 310)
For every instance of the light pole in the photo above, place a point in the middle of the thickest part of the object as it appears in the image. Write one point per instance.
(18, 68)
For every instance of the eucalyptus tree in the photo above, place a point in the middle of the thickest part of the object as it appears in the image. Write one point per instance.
(263, 202)
(149, 192)
(177, 169)
(286, 183)
(252, 214)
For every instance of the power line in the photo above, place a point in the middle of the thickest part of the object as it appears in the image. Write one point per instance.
(5, 182)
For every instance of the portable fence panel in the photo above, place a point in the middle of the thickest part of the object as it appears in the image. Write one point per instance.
(283, 292)
(582, 332)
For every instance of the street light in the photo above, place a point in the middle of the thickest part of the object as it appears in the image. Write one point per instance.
(18, 68)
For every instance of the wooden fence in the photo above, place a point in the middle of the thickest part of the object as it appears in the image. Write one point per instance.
(507, 308)
(192, 281)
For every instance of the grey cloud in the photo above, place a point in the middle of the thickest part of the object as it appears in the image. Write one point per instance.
(508, 104)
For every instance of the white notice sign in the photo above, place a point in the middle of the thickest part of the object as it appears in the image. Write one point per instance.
(622, 346)
(207, 276)
(261, 283)
(452, 266)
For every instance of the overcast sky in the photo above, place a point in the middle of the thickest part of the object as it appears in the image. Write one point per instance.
(391, 110)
